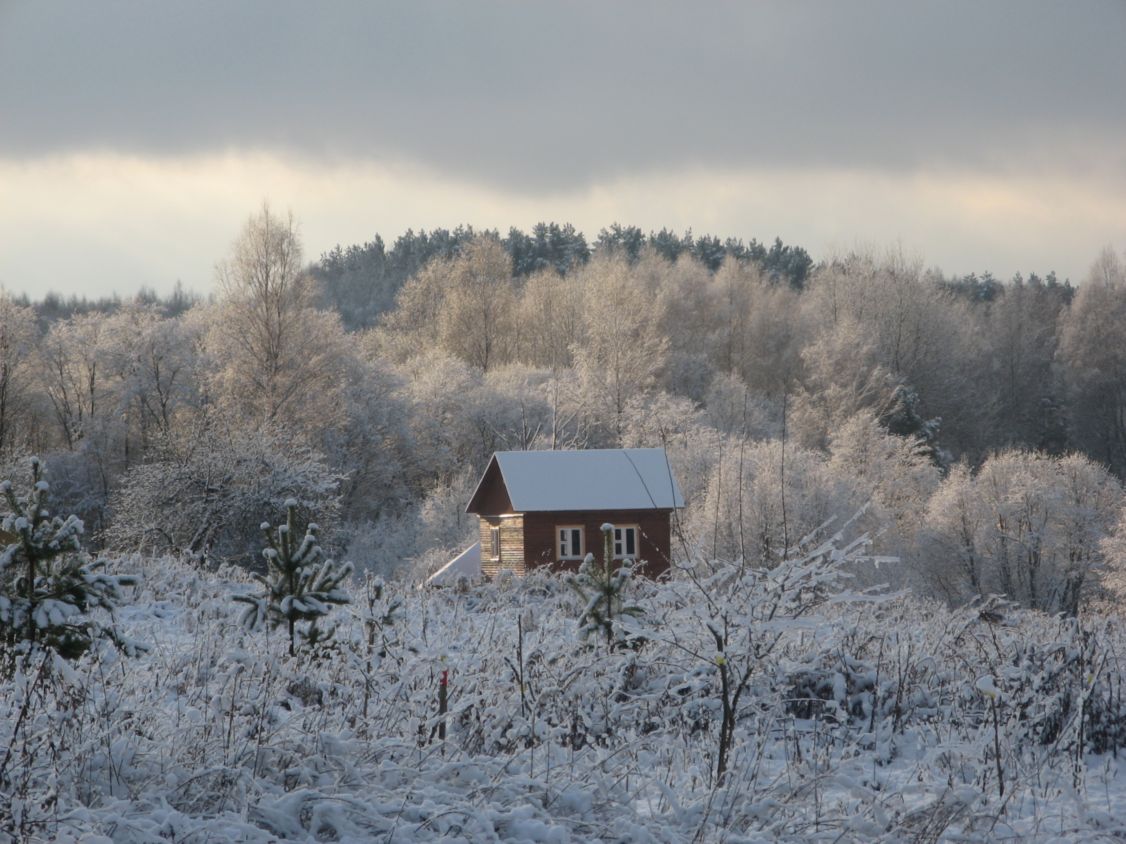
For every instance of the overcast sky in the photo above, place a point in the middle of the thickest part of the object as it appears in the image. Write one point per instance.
(137, 137)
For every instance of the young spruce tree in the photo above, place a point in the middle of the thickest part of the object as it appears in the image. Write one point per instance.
(603, 588)
(48, 585)
(301, 584)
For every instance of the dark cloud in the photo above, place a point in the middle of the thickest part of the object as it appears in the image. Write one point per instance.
(544, 95)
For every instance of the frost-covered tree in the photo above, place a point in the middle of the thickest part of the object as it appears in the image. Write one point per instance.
(732, 408)
(622, 348)
(949, 556)
(74, 374)
(373, 442)
(48, 587)
(1093, 351)
(1090, 499)
(408, 329)
(155, 366)
(1113, 548)
(18, 337)
(1021, 333)
(757, 327)
(843, 377)
(895, 474)
(551, 311)
(684, 315)
(301, 585)
(763, 498)
(518, 408)
(902, 418)
(442, 392)
(1028, 525)
(477, 319)
(270, 348)
(206, 487)
(465, 305)
(917, 332)
(658, 418)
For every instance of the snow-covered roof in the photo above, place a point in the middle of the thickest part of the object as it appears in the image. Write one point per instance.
(595, 479)
(467, 563)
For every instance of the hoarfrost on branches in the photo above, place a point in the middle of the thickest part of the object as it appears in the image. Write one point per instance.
(859, 718)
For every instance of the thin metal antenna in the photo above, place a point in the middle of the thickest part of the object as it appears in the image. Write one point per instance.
(644, 485)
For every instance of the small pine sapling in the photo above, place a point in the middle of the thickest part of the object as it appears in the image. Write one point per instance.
(603, 588)
(301, 584)
(48, 585)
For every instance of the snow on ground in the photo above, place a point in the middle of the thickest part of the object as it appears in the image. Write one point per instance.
(858, 721)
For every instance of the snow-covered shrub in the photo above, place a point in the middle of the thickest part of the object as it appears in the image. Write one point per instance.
(762, 498)
(1027, 525)
(1062, 694)
(208, 488)
(218, 732)
(376, 637)
(413, 543)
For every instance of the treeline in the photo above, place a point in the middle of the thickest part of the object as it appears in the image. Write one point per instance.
(787, 393)
(54, 307)
(361, 281)
(968, 363)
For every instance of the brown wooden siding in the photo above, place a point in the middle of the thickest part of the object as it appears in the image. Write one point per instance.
(511, 545)
(492, 496)
(653, 542)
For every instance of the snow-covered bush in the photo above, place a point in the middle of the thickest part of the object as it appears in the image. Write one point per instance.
(1026, 525)
(859, 719)
(207, 489)
(414, 543)
(762, 498)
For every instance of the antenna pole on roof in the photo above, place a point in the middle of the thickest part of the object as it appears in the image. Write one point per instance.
(679, 528)
(641, 478)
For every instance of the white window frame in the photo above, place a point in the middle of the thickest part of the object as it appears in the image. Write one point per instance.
(572, 553)
(620, 545)
(494, 542)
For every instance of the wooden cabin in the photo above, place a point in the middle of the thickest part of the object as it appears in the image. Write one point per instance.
(547, 508)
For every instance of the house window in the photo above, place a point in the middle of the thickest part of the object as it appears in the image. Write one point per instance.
(494, 543)
(625, 542)
(570, 542)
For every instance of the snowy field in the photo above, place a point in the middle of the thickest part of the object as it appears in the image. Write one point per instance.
(852, 719)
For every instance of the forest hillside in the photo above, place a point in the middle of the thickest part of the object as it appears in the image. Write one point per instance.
(892, 612)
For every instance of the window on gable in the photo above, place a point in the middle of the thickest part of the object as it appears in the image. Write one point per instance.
(625, 542)
(570, 542)
(494, 543)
